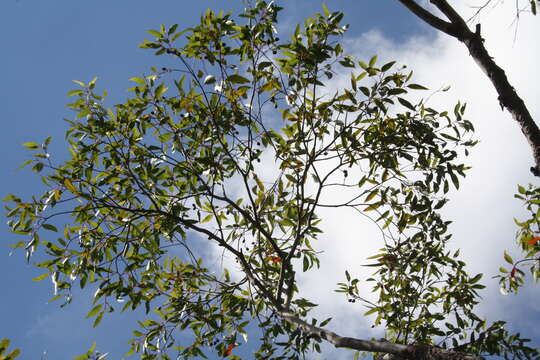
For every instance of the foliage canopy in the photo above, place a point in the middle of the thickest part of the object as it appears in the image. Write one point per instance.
(234, 151)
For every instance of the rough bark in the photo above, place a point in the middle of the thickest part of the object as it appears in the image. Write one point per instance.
(508, 97)
(394, 351)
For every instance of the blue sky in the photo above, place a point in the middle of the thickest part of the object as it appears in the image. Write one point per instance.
(46, 44)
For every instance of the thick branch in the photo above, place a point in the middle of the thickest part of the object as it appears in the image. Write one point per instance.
(399, 351)
(508, 97)
(428, 17)
(450, 13)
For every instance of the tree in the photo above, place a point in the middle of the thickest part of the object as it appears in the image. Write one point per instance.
(238, 149)
(457, 27)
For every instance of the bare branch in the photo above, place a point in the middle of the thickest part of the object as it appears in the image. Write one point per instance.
(400, 351)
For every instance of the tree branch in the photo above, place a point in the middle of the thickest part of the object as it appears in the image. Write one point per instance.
(399, 351)
(429, 18)
(451, 14)
(508, 97)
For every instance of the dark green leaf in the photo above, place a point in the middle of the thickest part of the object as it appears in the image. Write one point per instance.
(237, 79)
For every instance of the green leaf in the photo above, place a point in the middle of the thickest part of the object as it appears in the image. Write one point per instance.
(373, 206)
(264, 64)
(154, 33)
(260, 185)
(325, 322)
(27, 162)
(371, 311)
(31, 145)
(508, 258)
(449, 137)
(70, 187)
(4, 344)
(40, 277)
(98, 319)
(38, 167)
(50, 227)
(92, 83)
(54, 298)
(407, 104)
(172, 29)
(372, 195)
(387, 66)
(305, 264)
(325, 10)
(455, 180)
(475, 279)
(75, 92)
(237, 79)
(94, 311)
(417, 87)
(138, 80)
(47, 141)
(12, 355)
(160, 90)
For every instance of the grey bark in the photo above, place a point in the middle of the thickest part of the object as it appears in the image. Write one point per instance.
(394, 351)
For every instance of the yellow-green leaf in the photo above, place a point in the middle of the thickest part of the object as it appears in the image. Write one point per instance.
(31, 145)
(70, 187)
(508, 258)
(74, 92)
(325, 10)
(372, 195)
(259, 183)
(40, 277)
(94, 311)
(160, 90)
(154, 33)
(137, 80)
(207, 218)
(372, 207)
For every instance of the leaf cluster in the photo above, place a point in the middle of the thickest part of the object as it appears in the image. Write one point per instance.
(528, 239)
